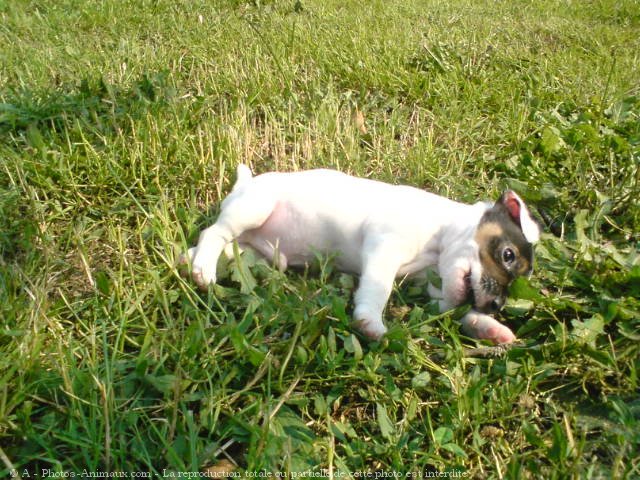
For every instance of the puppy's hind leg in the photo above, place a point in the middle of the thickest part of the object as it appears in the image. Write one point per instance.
(243, 210)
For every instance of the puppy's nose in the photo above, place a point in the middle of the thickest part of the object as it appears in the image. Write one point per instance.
(490, 306)
(496, 304)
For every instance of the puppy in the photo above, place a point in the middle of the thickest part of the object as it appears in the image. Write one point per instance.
(380, 232)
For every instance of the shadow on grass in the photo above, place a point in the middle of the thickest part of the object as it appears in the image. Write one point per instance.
(92, 101)
(32, 121)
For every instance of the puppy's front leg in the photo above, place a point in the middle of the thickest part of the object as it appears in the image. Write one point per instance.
(479, 325)
(380, 263)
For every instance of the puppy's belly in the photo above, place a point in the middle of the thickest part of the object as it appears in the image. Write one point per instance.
(299, 235)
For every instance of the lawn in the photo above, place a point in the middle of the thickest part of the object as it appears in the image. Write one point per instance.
(121, 124)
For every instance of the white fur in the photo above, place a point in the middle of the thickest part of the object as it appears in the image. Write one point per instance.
(380, 232)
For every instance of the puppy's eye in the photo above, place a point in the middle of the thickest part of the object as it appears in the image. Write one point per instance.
(508, 256)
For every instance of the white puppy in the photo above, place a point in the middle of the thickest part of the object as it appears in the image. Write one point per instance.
(380, 232)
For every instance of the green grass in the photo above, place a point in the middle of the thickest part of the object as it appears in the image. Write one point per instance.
(121, 124)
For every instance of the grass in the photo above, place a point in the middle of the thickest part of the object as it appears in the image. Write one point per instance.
(120, 127)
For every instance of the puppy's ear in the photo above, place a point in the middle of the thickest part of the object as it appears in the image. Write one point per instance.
(520, 214)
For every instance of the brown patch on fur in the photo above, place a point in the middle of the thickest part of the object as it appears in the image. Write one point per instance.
(524, 266)
(487, 230)
(491, 238)
(485, 235)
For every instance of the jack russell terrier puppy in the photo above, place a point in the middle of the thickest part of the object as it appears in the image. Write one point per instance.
(380, 232)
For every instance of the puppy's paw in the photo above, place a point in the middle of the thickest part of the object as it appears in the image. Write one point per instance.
(484, 327)
(372, 329)
(186, 257)
(203, 276)
(501, 335)
(203, 269)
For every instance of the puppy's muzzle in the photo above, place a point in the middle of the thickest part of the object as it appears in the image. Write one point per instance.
(490, 306)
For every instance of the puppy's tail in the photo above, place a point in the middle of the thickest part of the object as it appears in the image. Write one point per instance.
(243, 175)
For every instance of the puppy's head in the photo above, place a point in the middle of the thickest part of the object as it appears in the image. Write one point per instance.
(505, 237)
